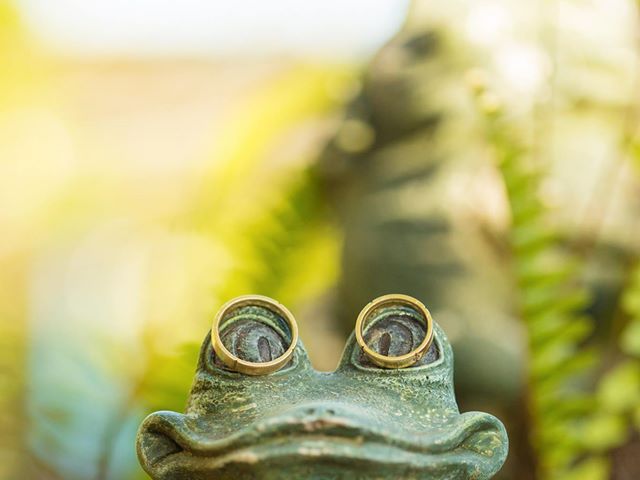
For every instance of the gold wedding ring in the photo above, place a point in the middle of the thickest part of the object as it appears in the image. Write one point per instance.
(401, 361)
(244, 366)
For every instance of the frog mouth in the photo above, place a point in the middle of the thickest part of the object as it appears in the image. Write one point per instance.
(170, 444)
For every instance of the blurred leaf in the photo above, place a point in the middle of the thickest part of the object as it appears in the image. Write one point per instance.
(619, 390)
(604, 431)
(630, 339)
(594, 468)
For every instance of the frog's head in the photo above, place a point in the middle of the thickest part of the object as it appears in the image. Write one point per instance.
(358, 421)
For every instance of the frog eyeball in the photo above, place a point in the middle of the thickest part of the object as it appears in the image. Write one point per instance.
(254, 335)
(395, 331)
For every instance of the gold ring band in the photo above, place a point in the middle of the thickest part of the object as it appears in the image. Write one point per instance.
(401, 361)
(244, 366)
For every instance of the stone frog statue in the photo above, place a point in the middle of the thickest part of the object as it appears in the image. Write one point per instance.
(367, 419)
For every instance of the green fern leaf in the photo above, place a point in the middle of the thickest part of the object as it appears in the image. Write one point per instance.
(551, 305)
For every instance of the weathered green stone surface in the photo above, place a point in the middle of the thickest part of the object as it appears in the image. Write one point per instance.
(357, 422)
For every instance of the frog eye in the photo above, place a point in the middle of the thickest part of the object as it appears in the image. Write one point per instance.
(395, 331)
(254, 335)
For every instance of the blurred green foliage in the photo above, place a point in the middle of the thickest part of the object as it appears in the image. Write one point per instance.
(551, 303)
(255, 221)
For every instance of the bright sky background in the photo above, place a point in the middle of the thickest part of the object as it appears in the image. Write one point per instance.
(340, 29)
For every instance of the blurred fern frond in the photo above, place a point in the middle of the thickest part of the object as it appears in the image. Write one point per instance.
(289, 238)
(630, 340)
(551, 303)
(619, 389)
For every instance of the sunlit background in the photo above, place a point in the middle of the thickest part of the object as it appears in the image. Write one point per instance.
(159, 158)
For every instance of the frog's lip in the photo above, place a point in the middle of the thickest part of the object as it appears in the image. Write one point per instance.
(165, 437)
